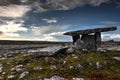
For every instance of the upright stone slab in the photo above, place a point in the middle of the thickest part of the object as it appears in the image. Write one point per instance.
(75, 38)
(90, 38)
(88, 42)
(98, 39)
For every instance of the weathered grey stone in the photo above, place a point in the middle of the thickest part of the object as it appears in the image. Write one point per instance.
(116, 58)
(55, 78)
(19, 66)
(98, 65)
(38, 68)
(11, 77)
(19, 70)
(1, 69)
(53, 67)
(71, 67)
(22, 75)
(48, 51)
(79, 67)
(78, 78)
(88, 31)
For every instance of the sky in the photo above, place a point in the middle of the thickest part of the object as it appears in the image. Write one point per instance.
(47, 20)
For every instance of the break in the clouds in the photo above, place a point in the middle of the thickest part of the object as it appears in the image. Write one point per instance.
(11, 29)
(109, 22)
(50, 20)
(49, 29)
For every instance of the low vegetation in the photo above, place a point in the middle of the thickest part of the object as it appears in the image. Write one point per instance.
(66, 66)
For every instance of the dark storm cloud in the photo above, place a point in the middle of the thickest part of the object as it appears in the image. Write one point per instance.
(54, 4)
(47, 5)
(16, 2)
(8, 2)
(66, 4)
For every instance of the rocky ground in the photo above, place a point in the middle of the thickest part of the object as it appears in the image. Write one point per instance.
(103, 64)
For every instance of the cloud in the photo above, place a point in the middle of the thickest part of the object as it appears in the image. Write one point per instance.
(109, 22)
(117, 2)
(49, 29)
(17, 8)
(50, 20)
(66, 4)
(11, 29)
(50, 32)
(14, 10)
(9, 2)
(111, 36)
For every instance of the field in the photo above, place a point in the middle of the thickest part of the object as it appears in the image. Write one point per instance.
(89, 65)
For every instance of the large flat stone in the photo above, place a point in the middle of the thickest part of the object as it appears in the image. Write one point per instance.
(88, 31)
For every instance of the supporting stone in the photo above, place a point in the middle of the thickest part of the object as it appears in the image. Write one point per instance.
(75, 38)
(98, 39)
(88, 42)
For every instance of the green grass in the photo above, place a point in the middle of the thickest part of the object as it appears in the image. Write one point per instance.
(110, 68)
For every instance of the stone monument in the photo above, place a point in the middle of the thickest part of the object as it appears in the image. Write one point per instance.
(89, 39)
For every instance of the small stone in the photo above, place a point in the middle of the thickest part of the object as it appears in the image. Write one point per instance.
(79, 67)
(116, 58)
(64, 63)
(75, 57)
(8, 63)
(90, 64)
(38, 69)
(1, 65)
(1, 69)
(11, 77)
(78, 78)
(12, 69)
(71, 67)
(19, 70)
(98, 65)
(84, 49)
(46, 59)
(102, 50)
(70, 50)
(56, 78)
(53, 67)
(13, 72)
(3, 73)
(19, 66)
(22, 75)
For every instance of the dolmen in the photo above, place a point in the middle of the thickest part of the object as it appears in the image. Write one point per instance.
(89, 39)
